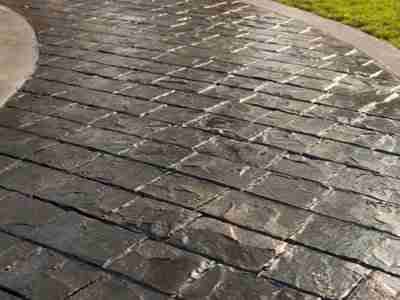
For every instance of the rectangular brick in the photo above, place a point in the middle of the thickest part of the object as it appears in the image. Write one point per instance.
(237, 175)
(316, 272)
(229, 127)
(254, 155)
(88, 239)
(257, 213)
(151, 261)
(291, 190)
(183, 190)
(228, 243)
(122, 172)
(44, 274)
(130, 124)
(111, 288)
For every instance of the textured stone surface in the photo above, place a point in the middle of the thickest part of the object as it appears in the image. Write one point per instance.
(197, 150)
(378, 286)
(151, 262)
(87, 238)
(23, 215)
(116, 289)
(257, 213)
(224, 283)
(38, 273)
(228, 243)
(316, 272)
(183, 190)
(7, 296)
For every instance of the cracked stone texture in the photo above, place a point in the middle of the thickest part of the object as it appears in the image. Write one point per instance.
(197, 150)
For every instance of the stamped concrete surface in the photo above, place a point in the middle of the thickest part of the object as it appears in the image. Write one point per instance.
(200, 149)
(381, 51)
(18, 52)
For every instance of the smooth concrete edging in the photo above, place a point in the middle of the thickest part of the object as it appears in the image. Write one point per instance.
(382, 52)
(18, 52)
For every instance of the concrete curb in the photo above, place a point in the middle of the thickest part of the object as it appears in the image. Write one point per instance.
(18, 52)
(382, 52)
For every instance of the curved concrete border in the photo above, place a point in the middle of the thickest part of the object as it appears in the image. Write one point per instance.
(18, 52)
(382, 52)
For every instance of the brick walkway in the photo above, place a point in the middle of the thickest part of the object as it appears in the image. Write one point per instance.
(200, 149)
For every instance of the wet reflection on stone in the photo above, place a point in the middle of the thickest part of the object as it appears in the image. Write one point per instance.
(228, 243)
(225, 283)
(199, 150)
(313, 271)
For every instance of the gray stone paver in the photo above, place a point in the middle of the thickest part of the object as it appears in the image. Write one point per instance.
(197, 150)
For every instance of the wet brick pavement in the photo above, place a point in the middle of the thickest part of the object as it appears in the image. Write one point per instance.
(200, 149)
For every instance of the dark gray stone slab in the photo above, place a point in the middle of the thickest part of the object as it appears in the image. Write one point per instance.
(241, 111)
(22, 215)
(86, 238)
(307, 168)
(7, 242)
(31, 178)
(284, 104)
(118, 290)
(227, 92)
(175, 115)
(63, 156)
(87, 195)
(130, 125)
(223, 283)
(39, 104)
(386, 125)
(228, 243)
(16, 118)
(157, 153)
(379, 286)
(182, 136)
(7, 163)
(340, 238)
(349, 154)
(291, 92)
(104, 140)
(360, 209)
(53, 128)
(257, 213)
(156, 218)
(355, 135)
(7, 296)
(220, 170)
(174, 143)
(159, 265)
(38, 273)
(183, 190)
(380, 187)
(254, 155)
(115, 170)
(81, 113)
(20, 144)
(286, 140)
(190, 100)
(229, 127)
(316, 272)
(287, 189)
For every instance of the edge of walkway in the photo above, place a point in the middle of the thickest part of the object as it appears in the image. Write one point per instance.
(381, 51)
(18, 52)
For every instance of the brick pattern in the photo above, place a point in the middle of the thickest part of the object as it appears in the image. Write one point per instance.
(204, 149)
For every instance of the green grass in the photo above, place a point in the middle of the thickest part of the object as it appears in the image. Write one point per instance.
(380, 18)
